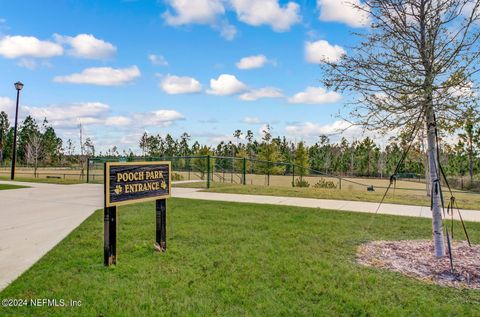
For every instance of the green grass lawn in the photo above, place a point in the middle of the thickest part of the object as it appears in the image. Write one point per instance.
(43, 180)
(8, 186)
(231, 259)
(404, 197)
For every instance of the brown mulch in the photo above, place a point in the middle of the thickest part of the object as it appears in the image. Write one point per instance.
(415, 258)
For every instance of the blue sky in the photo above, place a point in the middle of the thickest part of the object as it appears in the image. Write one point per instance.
(124, 67)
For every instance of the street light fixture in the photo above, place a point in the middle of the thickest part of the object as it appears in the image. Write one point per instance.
(18, 87)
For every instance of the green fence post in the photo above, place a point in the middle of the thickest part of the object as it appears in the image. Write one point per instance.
(340, 183)
(208, 171)
(244, 171)
(293, 175)
(88, 170)
(232, 170)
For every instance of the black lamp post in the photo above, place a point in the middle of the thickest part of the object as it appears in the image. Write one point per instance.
(18, 87)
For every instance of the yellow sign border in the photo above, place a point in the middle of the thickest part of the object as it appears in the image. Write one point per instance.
(132, 201)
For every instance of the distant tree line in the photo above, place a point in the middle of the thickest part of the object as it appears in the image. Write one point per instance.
(36, 144)
(39, 145)
(363, 157)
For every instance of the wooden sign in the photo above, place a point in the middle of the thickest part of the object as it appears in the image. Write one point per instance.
(128, 183)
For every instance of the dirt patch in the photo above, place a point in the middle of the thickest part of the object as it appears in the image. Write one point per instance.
(415, 258)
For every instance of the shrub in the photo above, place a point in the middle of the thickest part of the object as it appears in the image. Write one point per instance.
(176, 177)
(325, 184)
(301, 183)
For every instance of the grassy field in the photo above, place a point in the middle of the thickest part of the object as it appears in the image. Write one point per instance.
(42, 180)
(230, 259)
(358, 183)
(61, 175)
(8, 186)
(96, 176)
(398, 196)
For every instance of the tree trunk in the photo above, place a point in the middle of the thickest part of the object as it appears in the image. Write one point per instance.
(436, 208)
(425, 164)
(427, 177)
(470, 158)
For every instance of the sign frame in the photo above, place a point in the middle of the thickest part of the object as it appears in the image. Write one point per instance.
(110, 212)
(133, 201)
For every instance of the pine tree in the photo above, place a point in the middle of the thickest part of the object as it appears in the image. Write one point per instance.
(301, 160)
(4, 126)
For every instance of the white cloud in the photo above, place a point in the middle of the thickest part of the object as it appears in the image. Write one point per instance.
(267, 92)
(217, 138)
(337, 130)
(32, 64)
(461, 91)
(28, 46)
(251, 62)
(307, 129)
(96, 113)
(158, 118)
(118, 121)
(7, 105)
(200, 12)
(343, 11)
(264, 128)
(321, 51)
(251, 120)
(66, 116)
(228, 31)
(468, 8)
(157, 60)
(131, 139)
(174, 85)
(315, 95)
(268, 12)
(190, 12)
(27, 63)
(226, 85)
(87, 46)
(102, 76)
(69, 116)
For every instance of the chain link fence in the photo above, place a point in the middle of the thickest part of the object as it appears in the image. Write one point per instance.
(209, 171)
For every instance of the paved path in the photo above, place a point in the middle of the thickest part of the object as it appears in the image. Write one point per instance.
(33, 220)
(342, 205)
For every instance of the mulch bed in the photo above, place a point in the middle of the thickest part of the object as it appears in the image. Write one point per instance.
(415, 258)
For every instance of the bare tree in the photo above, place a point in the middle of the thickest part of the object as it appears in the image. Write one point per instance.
(33, 151)
(144, 143)
(89, 147)
(82, 159)
(414, 67)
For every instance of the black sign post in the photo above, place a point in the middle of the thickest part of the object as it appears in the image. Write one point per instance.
(127, 183)
(110, 236)
(161, 224)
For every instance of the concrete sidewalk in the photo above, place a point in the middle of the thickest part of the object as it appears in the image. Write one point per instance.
(33, 220)
(341, 205)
